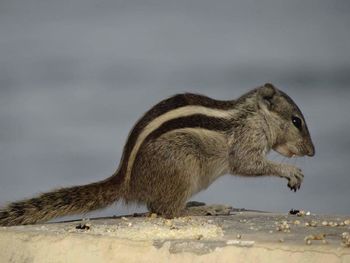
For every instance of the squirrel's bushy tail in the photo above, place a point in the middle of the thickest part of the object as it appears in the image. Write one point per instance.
(61, 202)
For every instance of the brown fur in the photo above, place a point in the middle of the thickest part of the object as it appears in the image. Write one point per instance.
(64, 201)
(184, 152)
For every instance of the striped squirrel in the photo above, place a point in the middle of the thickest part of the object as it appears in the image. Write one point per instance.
(179, 147)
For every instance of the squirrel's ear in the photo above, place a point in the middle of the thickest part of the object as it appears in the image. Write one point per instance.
(266, 95)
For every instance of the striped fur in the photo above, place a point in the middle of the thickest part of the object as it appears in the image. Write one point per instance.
(188, 116)
(179, 105)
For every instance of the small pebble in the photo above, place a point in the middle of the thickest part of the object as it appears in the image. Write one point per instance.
(325, 223)
(294, 212)
(86, 226)
(239, 236)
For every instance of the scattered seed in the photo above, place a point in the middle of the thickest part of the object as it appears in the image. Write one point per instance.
(153, 215)
(325, 223)
(168, 222)
(345, 235)
(308, 239)
(313, 223)
(301, 213)
(240, 243)
(284, 226)
(199, 237)
(345, 239)
(319, 237)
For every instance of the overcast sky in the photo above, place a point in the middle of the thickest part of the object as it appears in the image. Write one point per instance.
(75, 75)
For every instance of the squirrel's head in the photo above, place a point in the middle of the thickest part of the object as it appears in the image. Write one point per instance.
(287, 127)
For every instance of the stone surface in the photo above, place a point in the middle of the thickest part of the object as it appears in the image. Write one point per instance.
(239, 237)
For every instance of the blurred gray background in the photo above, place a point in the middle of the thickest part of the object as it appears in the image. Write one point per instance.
(75, 75)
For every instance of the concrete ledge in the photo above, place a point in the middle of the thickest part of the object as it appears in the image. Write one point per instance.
(241, 237)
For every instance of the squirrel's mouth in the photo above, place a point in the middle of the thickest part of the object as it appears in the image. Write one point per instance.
(286, 150)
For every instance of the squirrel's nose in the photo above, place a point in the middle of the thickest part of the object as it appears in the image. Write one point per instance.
(311, 151)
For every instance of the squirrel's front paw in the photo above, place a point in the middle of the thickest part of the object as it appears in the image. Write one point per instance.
(295, 178)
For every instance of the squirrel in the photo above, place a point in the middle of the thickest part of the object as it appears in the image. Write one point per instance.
(181, 146)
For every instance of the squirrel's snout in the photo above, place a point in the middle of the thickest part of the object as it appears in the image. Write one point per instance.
(311, 152)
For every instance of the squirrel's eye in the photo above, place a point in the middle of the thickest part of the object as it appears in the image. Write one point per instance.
(297, 122)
